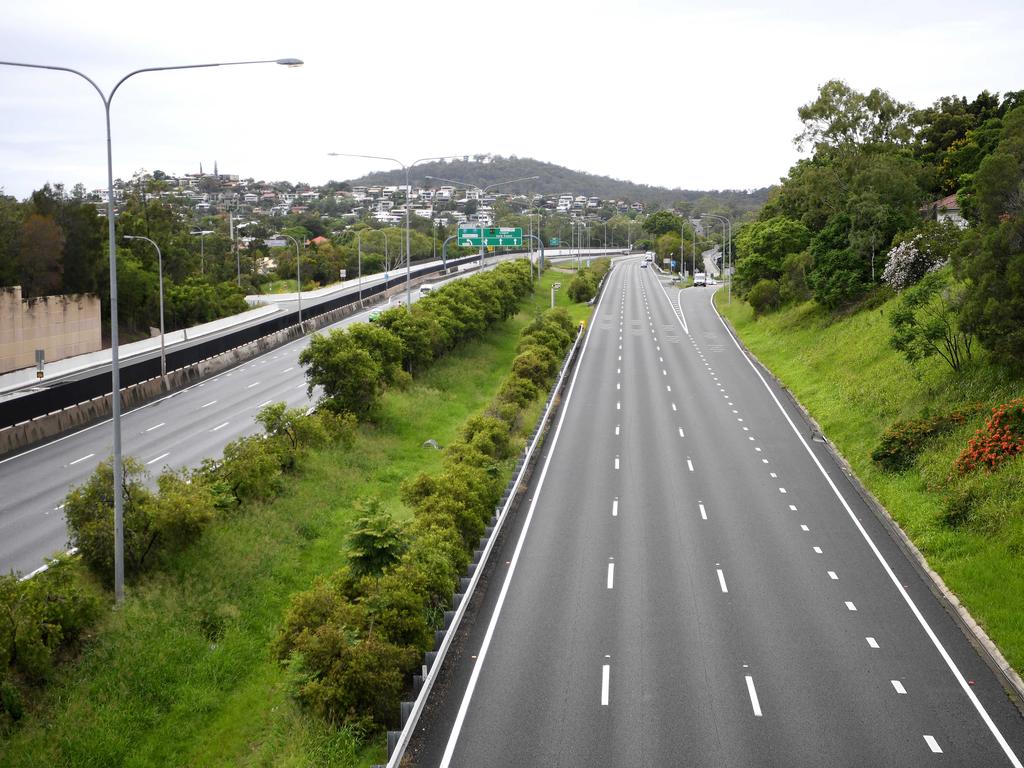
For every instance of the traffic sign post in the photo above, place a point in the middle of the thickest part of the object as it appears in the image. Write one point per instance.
(554, 287)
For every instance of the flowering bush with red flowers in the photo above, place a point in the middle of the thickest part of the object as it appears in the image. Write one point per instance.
(1001, 438)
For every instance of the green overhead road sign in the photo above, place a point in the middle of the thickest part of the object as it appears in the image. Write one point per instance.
(490, 236)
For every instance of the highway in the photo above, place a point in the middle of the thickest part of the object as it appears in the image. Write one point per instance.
(694, 581)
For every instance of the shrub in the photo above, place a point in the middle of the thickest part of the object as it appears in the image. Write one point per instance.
(764, 297)
(38, 617)
(517, 390)
(89, 510)
(1001, 438)
(904, 440)
(249, 470)
(351, 378)
(909, 261)
(531, 366)
(489, 435)
(926, 322)
(375, 542)
(582, 287)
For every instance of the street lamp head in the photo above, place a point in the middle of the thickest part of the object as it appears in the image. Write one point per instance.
(291, 62)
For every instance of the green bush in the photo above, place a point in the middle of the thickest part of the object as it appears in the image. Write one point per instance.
(39, 617)
(904, 440)
(764, 297)
(489, 435)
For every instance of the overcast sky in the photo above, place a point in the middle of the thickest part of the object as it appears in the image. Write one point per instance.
(698, 95)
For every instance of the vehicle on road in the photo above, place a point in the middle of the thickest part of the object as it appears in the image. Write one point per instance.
(643, 265)
(425, 289)
(700, 278)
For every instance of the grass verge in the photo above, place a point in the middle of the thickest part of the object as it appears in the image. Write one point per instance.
(182, 675)
(971, 530)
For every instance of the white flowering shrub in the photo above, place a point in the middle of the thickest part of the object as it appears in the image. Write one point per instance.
(911, 260)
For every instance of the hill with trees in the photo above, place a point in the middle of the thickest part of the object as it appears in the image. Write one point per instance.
(481, 170)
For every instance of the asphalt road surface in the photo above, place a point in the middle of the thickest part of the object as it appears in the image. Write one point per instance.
(695, 582)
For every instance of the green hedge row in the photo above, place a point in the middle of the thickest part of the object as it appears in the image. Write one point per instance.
(353, 640)
(353, 366)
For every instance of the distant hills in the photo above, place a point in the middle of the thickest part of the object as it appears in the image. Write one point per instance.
(556, 179)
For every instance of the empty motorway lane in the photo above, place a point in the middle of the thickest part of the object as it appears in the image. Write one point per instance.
(695, 582)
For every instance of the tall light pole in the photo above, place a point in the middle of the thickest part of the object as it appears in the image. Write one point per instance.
(201, 234)
(298, 272)
(408, 195)
(160, 267)
(115, 373)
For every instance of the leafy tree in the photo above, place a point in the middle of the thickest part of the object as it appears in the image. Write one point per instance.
(919, 252)
(840, 118)
(662, 222)
(349, 375)
(926, 321)
(376, 541)
(386, 348)
(40, 245)
(762, 247)
(993, 260)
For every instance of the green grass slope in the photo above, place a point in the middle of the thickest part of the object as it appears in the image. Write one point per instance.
(971, 528)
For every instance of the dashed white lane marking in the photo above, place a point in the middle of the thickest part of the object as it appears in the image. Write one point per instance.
(674, 407)
(703, 512)
(933, 745)
(782, 490)
(288, 370)
(804, 528)
(792, 507)
(817, 550)
(774, 476)
(668, 388)
(611, 575)
(161, 456)
(617, 428)
(156, 426)
(254, 384)
(78, 461)
(681, 434)
(833, 575)
(850, 606)
(605, 683)
(872, 642)
(300, 386)
(721, 581)
(618, 385)
(220, 426)
(753, 696)
(208, 404)
(616, 462)
(899, 687)
(264, 404)
(615, 508)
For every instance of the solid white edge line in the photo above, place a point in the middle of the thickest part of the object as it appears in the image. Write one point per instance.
(488, 636)
(753, 696)
(957, 674)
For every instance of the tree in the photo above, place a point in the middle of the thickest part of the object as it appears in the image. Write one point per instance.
(662, 222)
(926, 322)
(376, 541)
(762, 247)
(40, 247)
(841, 118)
(348, 374)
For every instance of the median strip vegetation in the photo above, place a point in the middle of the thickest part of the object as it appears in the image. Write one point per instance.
(187, 672)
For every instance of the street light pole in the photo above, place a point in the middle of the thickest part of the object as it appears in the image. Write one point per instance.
(408, 195)
(202, 248)
(727, 255)
(115, 373)
(160, 268)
